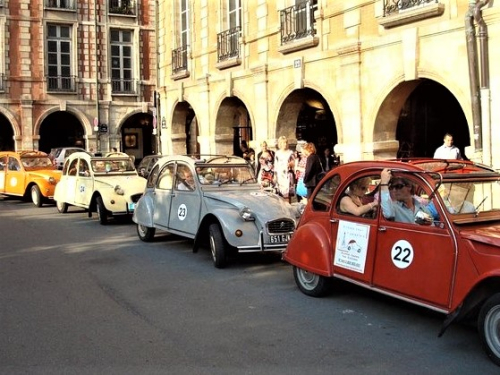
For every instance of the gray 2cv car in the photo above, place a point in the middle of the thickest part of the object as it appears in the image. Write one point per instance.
(216, 201)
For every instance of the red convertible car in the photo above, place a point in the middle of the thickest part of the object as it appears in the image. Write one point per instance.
(441, 251)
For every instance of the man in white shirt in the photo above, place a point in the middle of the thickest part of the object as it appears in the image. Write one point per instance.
(447, 150)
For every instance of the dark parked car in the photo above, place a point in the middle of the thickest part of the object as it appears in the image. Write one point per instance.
(59, 154)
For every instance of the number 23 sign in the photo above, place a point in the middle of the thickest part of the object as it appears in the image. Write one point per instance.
(402, 254)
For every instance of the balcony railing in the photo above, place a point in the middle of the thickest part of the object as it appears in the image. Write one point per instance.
(297, 21)
(179, 60)
(228, 44)
(396, 6)
(125, 7)
(60, 4)
(123, 86)
(61, 84)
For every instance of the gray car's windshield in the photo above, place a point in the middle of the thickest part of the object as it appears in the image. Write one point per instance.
(226, 174)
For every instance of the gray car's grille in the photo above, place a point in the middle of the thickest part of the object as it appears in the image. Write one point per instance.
(280, 226)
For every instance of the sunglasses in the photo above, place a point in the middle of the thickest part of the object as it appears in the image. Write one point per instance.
(397, 186)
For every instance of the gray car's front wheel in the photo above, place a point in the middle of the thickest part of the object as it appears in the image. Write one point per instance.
(310, 283)
(489, 327)
(217, 246)
(145, 233)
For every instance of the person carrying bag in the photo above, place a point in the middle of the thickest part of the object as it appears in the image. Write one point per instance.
(314, 168)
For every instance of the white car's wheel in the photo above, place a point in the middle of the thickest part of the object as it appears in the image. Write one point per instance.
(310, 283)
(62, 207)
(489, 327)
(36, 196)
(102, 213)
(217, 246)
(145, 233)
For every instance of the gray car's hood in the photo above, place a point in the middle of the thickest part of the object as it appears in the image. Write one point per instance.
(266, 205)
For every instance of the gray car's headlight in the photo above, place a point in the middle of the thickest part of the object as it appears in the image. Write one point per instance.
(119, 190)
(247, 214)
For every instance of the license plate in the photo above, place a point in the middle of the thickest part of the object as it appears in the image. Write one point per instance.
(131, 206)
(279, 238)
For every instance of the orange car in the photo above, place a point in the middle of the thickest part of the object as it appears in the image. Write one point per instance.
(26, 173)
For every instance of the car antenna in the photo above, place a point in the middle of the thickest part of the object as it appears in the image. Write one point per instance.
(479, 205)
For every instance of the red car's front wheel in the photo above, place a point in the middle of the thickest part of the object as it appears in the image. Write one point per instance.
(310, 283)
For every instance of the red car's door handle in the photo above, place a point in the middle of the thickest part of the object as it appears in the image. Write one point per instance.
(334, 220)
(382, 229)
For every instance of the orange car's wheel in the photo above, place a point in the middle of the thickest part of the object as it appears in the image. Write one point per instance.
(36, 196)
(311, 284)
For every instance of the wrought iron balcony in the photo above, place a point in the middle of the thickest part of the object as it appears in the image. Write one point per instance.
(61, 84)
(125, 7)
(123, 86)
(228, 44)
(297, 21)
(396, 6)
(179, 59)
(60, 4)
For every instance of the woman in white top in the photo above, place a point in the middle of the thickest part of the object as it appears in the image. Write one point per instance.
(284, 166)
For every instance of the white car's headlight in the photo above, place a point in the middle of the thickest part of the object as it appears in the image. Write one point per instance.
(247, 214)
(119, 190)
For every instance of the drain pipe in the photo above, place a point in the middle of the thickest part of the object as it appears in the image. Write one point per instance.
(483, 43)
(470, 33)
(484, 84)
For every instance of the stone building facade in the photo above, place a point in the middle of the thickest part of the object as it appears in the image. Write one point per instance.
(373, 79)
(78, 72)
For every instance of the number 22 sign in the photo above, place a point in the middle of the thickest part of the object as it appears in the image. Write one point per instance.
(402, 254)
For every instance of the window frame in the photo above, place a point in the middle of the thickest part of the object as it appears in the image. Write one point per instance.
(122, 84)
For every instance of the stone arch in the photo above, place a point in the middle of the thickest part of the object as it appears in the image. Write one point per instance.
(232, 125)
(304, 115)
(84, 121)
(13, 121)
(409, 123)
(184, 129)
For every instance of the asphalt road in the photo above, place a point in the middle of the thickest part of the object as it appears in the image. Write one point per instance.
(80, 298)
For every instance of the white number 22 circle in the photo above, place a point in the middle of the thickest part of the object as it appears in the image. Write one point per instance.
(182, 212)
(402, 254)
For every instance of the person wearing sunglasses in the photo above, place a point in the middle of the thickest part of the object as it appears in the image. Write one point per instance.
(398, 201)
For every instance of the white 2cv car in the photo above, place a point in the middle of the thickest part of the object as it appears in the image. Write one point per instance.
(216, 201)
(109, 186)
